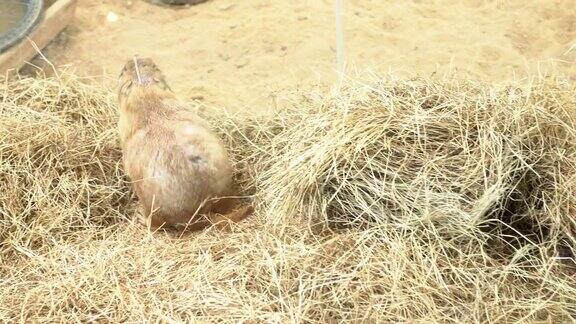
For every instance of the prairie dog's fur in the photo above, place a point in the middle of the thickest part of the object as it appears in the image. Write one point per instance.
(173, 159)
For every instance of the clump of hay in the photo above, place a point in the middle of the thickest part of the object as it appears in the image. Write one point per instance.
(59, 161)
(414, 179)
(453, 155)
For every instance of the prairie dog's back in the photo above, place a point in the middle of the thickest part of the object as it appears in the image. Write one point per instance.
(142, 96)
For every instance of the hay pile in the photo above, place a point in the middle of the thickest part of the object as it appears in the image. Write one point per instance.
(454, 156)
(396, 200)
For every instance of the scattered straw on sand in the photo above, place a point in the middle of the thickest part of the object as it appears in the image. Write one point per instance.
(394, 200)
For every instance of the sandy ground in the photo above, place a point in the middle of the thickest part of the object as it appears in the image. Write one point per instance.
(237, 53)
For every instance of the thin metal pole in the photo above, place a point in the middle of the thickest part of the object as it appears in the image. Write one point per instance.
(339, 41)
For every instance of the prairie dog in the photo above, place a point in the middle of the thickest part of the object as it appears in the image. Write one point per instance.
(175, 162)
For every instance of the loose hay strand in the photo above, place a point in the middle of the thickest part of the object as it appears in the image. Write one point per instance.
(445, 201)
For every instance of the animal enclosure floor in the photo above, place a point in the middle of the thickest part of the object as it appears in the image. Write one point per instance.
(237, 53)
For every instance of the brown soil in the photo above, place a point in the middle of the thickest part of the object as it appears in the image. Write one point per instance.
(236, 53)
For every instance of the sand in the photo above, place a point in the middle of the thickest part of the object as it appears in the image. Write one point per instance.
(237, 54)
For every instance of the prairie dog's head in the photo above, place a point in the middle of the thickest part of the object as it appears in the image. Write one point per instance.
(140, 72)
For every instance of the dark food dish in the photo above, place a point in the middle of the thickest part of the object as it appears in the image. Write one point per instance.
(31, 12)
(177, 2)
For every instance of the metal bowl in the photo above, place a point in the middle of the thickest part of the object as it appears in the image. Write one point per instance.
(176, 2)
(33, 11)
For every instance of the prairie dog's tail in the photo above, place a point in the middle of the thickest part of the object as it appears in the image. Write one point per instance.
(220, 221)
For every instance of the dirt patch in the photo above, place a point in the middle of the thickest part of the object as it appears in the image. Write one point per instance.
(236, 53)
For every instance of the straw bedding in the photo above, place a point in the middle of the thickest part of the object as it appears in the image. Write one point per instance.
(389, 200)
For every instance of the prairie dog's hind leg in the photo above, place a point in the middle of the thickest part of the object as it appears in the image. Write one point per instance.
(222, 221)
(153, 220)
(223, 205)
(158, 220)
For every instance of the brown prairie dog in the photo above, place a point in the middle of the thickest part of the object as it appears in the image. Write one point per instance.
(175, 162)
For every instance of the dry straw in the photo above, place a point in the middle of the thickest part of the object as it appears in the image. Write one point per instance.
(422, 200)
